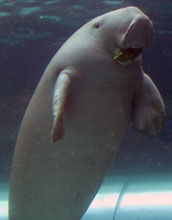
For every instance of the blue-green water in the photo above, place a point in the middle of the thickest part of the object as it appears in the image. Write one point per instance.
(31, 31)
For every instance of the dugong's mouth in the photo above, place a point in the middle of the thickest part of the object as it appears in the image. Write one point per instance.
(127, 56)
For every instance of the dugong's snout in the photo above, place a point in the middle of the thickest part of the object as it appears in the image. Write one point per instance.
(137, 37)
(139, 33)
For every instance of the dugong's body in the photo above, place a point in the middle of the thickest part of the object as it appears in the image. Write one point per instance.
(78, 114)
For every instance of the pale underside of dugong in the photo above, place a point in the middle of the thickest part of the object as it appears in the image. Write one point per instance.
(78, 114)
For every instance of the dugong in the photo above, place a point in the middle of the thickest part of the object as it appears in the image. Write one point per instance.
(78, 115)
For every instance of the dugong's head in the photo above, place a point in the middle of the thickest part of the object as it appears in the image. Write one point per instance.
(126, 31)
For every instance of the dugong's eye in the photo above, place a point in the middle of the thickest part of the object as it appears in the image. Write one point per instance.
(96, 25)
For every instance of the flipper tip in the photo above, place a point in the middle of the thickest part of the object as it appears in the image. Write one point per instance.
(56, 136)
(57, 131)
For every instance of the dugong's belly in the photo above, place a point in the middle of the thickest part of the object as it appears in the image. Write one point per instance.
(67, 174)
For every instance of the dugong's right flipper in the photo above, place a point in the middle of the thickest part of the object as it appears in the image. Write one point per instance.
(60, 94)
(148, 110)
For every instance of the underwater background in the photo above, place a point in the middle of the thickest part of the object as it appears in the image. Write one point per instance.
(31, 32)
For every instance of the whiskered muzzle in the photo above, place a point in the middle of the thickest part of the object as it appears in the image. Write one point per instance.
(139, 33)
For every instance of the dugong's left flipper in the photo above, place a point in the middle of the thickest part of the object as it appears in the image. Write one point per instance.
(148, 110)
(60, 94)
